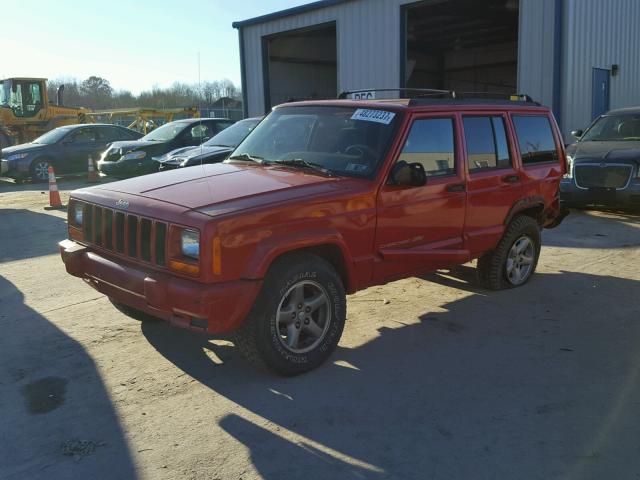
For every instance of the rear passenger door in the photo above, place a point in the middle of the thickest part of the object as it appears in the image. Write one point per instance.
(420, 228)
(495, 180)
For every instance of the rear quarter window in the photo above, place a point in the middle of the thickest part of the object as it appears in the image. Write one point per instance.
(535, 139)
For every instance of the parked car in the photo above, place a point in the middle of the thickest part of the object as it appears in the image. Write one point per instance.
(323, 198)
(67, 149)
(211, 151)
(126, 159)
(604, 162)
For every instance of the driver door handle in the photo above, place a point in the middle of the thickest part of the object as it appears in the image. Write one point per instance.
(511, 178)
(456, 187)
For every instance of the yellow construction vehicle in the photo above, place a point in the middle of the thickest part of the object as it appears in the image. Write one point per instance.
(142, 119)
(26, 111)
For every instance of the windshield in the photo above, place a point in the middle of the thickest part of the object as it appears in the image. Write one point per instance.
(5, 92)
(165, 133)
(344, 140)
(233, 135)
(52, 137)
(614, 127)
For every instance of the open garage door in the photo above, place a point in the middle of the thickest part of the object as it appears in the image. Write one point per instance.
(463, 45)
(300, 64)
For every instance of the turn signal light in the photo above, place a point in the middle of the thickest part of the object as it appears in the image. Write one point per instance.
(188, 268)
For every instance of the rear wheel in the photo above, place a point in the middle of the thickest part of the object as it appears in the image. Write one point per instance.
(39, 169)
(298, 318)
(514, 260)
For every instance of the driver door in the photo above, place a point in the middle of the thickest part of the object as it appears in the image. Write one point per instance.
(420, 228)
(77, 148)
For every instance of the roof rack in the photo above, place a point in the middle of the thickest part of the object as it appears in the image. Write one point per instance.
(429, 93)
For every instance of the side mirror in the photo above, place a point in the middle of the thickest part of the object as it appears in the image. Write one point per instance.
(408, 174)
(576, 133)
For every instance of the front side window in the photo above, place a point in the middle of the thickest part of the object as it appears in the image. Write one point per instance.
(486, 141)
(535, 139)
(84, 135)
(431, 143)
(346, 141)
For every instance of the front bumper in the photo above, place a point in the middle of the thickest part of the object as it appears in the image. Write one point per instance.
(213, 308)
(571, 194)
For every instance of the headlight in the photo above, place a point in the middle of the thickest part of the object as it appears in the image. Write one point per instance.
(190, 244)
(134, 156)
(17, 156)
(76, 214)
(569, 173)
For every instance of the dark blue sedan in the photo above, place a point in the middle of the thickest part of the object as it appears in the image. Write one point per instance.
(66, 148)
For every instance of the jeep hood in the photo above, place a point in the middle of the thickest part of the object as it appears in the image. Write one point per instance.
(220, 188)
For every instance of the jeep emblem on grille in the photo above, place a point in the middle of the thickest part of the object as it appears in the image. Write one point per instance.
(122, 204)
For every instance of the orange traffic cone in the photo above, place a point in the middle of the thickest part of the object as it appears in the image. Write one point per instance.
(92, 175)
(54, 196)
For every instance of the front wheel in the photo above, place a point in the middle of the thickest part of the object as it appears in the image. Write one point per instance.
(514, 260)
(298, 318)
(40, 170)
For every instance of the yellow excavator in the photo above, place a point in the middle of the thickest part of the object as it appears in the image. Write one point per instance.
(26, 112)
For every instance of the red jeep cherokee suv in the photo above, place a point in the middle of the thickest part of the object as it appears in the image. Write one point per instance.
(322, 199)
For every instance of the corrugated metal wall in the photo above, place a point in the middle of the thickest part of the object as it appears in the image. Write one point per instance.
(368, 35)
(535, 50)
(598, 34)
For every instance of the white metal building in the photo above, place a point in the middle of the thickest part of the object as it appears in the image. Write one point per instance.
(581, 57)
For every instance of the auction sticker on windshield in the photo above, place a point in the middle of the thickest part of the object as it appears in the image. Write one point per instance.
(378, 116)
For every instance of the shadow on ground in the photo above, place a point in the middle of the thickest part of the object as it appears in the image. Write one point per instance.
(498, 385)
(35, 233)
(602, 229)
(57, 421)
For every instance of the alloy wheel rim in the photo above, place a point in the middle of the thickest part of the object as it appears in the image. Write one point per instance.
(41, 170)
(520, 260)
(303, 316)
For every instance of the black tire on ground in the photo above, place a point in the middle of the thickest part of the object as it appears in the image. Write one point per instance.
(298, 317)
(134, 313)
(38, 169)
(493, 267)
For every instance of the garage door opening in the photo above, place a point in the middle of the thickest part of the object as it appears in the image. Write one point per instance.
(461, 45)
(300, 64)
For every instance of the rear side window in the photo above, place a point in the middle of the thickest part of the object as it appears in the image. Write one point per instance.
(535, 139)
(486, 140)
(430, 142)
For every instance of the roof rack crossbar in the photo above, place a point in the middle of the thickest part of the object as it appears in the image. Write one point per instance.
(451, 94)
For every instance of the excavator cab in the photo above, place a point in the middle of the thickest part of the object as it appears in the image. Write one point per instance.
(24, 96)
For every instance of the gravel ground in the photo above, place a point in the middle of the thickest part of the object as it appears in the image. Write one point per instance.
(434, 377)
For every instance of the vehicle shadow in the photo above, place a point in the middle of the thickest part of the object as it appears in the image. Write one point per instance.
(596, 229)
(36, 234)
(57, 419)
(505, 384)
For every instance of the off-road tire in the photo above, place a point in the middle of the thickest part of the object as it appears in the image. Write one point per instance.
(134, 313)
(491, 267)
(259, 339)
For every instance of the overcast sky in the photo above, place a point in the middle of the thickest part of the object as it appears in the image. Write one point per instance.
(132, 43)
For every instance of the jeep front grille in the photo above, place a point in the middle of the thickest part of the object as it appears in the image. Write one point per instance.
(127, 234)
(595, 175)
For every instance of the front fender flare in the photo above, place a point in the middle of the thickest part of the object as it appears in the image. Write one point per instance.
(273, 247)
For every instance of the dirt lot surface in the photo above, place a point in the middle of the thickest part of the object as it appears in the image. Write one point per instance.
(434, 378)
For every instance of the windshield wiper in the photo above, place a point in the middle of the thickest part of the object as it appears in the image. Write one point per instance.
(247, 158)
(299, 162)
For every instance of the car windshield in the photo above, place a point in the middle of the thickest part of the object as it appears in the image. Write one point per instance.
(342, 140)
(233, 135)
(165, 133)
(614, 127)
(52, 137)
